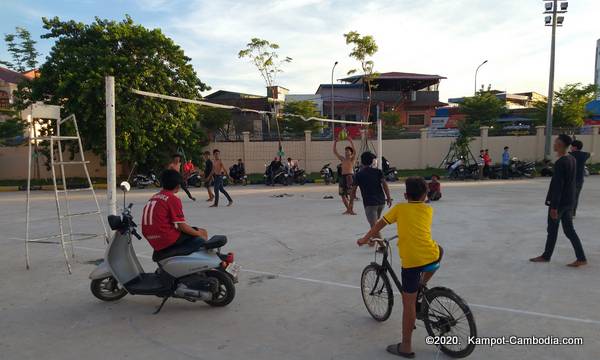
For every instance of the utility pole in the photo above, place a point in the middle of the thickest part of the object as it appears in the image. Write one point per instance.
(332, 102)
(476, 71)
(553, 20)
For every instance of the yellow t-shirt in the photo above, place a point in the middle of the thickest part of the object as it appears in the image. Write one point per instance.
(415, 245)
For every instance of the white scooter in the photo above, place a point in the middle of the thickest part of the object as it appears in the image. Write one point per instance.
(190, 272)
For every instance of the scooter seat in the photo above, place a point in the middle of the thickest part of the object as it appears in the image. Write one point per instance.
(189, 247)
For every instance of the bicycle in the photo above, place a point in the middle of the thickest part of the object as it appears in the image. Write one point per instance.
(435, 306)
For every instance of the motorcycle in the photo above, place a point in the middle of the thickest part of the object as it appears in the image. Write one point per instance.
(458, 170)
(140, 181)
(389, 172)
(189, 272)
(516, 169)
(238, 174)
(327, 174)
(298, 176)
(275, 175)
(195, 179)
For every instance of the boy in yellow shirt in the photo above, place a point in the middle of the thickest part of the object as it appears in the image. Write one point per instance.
(419, 253)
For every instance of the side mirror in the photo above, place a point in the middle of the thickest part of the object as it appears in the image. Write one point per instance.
(125, 186)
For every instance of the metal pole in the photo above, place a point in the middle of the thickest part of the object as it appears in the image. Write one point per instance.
(547, 147)
(379, 140)
(111, 152)
(32, 134)
(476, 71)
(332, 102)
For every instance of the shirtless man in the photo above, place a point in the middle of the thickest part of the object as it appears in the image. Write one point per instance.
(346, 181)
(175, 164)
(218, 171)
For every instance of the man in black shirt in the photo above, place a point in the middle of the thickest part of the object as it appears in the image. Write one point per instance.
(208, 167)
(561, 201)
(373, 187)
(581, 157)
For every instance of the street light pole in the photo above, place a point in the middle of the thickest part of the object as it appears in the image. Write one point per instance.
(332, 102)
(549, 110)
(476, 71)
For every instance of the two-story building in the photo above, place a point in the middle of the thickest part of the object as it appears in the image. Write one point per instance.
(413, 97)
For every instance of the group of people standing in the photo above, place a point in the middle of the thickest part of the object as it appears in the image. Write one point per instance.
(214, 173)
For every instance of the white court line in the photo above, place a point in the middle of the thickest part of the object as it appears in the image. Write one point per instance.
(323, 282)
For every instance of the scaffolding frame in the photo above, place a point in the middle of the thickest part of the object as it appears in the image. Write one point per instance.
(66, 239)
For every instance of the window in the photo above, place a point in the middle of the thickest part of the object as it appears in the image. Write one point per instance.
(350, 117)
(416, 119)
(4, 100)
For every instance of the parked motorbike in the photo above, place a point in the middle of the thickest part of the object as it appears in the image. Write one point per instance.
(238, 174)
(140, 181)
(195, 179)
(459, 170)
(389, 172)
(327, 174)
(275, 174)
(298, 176)
(187, 272)
(516, 169)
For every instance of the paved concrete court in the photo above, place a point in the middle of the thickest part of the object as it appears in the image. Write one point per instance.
(298, 295)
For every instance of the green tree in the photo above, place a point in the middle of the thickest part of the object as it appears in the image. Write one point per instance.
(22, 50)
(363, 50)
(148, 130)
(215, 120)
(482, 109)
(569, 106)
(264, 55)
(296, 124)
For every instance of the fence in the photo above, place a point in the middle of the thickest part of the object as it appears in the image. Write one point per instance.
(416, 153)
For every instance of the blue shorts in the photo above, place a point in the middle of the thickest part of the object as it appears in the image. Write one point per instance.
(411, 278)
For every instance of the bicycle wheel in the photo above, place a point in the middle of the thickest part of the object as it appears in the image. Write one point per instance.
(448, 316)
(377, 292)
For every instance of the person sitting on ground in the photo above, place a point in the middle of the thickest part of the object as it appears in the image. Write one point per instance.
(347, 173)
(163, 221)
(373, 187)
(434, 192)
(419, 253)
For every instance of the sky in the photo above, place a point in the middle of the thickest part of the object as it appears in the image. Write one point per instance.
(444, 37)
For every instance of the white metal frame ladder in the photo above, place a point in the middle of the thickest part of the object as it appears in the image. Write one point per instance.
(66, 239)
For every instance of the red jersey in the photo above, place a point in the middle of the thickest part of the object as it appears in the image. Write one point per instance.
(487, 159)
(161, 215)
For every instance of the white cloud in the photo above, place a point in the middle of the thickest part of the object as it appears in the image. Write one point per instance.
(449, 38)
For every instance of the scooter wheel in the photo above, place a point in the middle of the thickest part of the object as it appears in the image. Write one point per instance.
(107, 289)
(226, 289)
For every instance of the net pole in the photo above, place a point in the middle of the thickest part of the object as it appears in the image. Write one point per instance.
(379, 140)
(111, 152)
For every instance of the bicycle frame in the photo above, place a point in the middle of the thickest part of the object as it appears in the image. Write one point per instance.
(385, 264)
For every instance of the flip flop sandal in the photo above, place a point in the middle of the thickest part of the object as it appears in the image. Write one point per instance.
(395, 349)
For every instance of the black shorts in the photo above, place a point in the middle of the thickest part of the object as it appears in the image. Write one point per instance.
(411, 277)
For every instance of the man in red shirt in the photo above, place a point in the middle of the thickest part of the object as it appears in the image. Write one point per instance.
(163, 222)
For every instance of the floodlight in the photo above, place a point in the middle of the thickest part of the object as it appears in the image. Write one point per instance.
(548, 6)
(548, 20)
(564, 6)
(559, 20)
